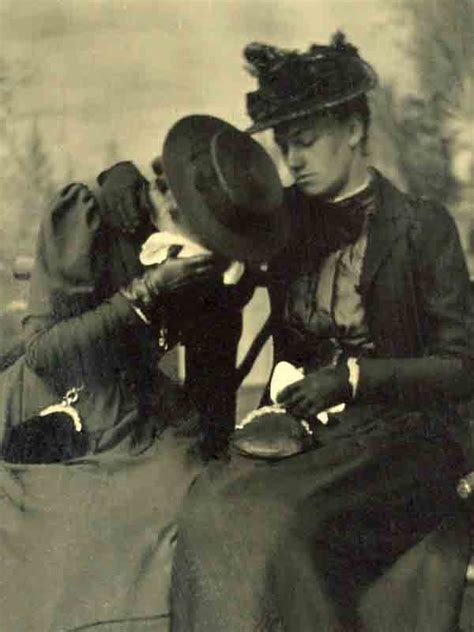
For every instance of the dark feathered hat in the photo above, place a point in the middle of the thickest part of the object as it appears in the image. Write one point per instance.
(292, 84)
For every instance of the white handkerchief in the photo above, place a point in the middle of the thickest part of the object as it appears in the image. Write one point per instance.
(157, 247)
(323, 416)
(285, 374)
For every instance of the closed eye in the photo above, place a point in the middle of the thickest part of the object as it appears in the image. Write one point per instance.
(306, 138)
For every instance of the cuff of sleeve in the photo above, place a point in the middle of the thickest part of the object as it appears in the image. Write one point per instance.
(126, 308)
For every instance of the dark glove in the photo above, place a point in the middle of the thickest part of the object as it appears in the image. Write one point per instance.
(406, 381)
(158, 169)
(170, 279)
(126, 205)
(316, 392)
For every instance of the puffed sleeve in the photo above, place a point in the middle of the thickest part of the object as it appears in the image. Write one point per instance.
(72, 335)
(64, 277)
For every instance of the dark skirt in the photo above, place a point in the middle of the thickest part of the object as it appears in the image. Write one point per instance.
(88, 544)
(362, 533)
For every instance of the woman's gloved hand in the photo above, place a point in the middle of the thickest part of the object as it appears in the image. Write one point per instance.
(175, 274)
(125, 201)
(160, 179)
(316, 392)
(172, 278)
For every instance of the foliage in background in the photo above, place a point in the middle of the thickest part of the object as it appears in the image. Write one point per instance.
(432, 130)
(27, 177)
(27, 183)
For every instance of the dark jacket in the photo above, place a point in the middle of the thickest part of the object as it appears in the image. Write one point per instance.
(414, 284)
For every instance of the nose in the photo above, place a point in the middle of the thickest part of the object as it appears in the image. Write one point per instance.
(295, 158)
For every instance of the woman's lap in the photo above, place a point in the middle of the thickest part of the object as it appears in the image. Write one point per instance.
(257, 540)
(91, 541)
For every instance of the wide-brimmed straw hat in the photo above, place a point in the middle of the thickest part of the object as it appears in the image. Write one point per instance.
(227, 189)
(292, 84)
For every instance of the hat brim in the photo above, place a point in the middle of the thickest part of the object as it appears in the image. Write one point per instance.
(196, 218)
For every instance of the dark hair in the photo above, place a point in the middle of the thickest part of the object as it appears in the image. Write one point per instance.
(359, 107)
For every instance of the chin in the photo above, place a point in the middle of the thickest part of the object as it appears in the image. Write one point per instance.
(323, 191)
(311, 189)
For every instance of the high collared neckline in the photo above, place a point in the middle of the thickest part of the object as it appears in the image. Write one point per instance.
(355, 192)
(360, 203)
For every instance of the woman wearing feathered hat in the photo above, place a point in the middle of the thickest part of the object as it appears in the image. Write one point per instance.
(97, 446)
(360, 530)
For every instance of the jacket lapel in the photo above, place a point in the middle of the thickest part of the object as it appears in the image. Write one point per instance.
(387, 225)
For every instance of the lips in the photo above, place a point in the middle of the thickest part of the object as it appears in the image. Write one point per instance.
(305, 178)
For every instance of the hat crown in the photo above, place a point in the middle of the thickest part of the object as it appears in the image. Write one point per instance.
(227, 188)
(243, 172)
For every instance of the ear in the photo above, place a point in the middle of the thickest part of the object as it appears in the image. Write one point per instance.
(356, 131)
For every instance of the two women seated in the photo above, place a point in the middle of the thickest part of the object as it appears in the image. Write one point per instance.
(356, 527)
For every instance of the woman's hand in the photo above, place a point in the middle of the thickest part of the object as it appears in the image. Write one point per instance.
(175, 275)
(316, 392)
(125, 201)
(172, 280)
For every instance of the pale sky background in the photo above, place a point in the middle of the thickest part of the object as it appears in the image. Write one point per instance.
(114, 71)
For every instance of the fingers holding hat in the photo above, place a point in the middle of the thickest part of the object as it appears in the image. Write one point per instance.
(125, 205)
(160, 179)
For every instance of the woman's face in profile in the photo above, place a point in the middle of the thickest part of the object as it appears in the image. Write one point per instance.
(165, 212)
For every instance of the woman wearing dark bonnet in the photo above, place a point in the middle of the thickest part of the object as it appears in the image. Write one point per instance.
(361, 530)
(98, 446)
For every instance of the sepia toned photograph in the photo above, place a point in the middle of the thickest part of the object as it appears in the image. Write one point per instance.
(237, 315)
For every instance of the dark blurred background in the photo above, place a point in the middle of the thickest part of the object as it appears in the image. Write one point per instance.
(84, 84)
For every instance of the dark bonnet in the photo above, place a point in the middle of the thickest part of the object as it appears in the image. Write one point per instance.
(292, 84)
